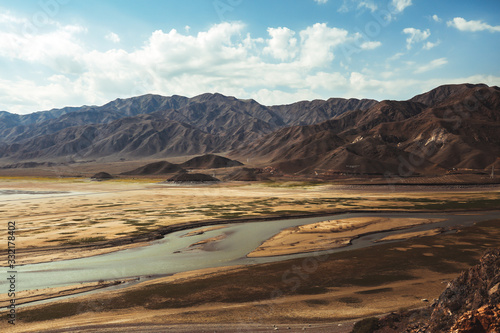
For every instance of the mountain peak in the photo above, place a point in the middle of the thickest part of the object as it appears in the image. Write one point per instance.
(439, 94)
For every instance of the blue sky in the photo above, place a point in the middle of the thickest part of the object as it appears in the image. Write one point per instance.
(56, 53)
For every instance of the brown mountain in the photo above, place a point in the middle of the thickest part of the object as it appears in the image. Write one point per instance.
(151, 126)
(156, 168)
(452, 126)
(210, 161)
(459, 128)
(192, 178)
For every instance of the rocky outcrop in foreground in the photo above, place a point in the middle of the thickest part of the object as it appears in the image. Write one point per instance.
(471, 300)
(470, 304)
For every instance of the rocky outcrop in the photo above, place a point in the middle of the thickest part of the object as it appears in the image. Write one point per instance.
(475, 289)
(485, 319)
(102, 176)
(192, 178)
(470, 304)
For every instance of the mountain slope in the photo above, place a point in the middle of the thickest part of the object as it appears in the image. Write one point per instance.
(460, 130)
(156, 168)
(453, 126)
(147, 126)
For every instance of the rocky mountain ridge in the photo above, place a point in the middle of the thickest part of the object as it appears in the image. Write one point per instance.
(448, 128)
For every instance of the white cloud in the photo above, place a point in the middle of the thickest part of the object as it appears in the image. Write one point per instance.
(436, 63)
(58, 49)
(283, 68)
(112, 37)
(348, 5)
(473, 26)
(436, 18)
(368, 5)
(321, 1)
(282, 45)
(400, 5)
(430, 45)
(324, 80)
(317, 43)
(370, 45)
(396, 56)
(416, 36)
(224, 58)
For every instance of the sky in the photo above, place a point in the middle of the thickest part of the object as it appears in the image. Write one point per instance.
(57, 53)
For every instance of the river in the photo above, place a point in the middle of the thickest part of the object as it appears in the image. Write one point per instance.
(172, 253)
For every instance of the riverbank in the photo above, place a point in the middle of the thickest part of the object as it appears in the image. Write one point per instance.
(316, 290)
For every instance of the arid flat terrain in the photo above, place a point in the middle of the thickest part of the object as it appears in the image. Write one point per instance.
(76, 218)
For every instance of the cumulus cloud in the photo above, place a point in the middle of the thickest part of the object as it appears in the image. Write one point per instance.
(370, 45)
(113, 37)
(436, 18)
(348, 5)
(281, 45)
(284, 67)
(415, 36)
(436, 63)
(400, 5)
(58, 49)
(473, 26)
(368, 5)
(223, 58)
(430, 45)
(317, 43)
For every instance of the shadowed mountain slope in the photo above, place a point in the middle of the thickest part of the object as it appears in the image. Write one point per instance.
(460, 130)
(210, 161)
(452, 126)
(150, 126)
(156, 168)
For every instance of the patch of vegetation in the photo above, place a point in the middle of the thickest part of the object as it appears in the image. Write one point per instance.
(311, 290)
(52, 311)
(139, 223)
(86, 240)
(367, 325)
(293, 184)
(108, 205)
(470, 204)
(350, 300)
(105, 219)
(374, 291)
(210, 213)
(316, 302)
(59, 240)
(232, 215)
(378, 279)
(289, 212)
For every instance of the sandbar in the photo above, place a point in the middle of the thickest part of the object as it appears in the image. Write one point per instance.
(330, 234)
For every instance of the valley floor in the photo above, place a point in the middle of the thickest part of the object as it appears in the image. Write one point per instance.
(67, 218)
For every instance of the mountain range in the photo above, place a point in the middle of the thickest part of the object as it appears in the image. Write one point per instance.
(450, 127)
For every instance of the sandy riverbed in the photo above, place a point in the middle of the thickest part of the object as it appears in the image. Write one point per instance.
(73, 225)
(330, 234)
